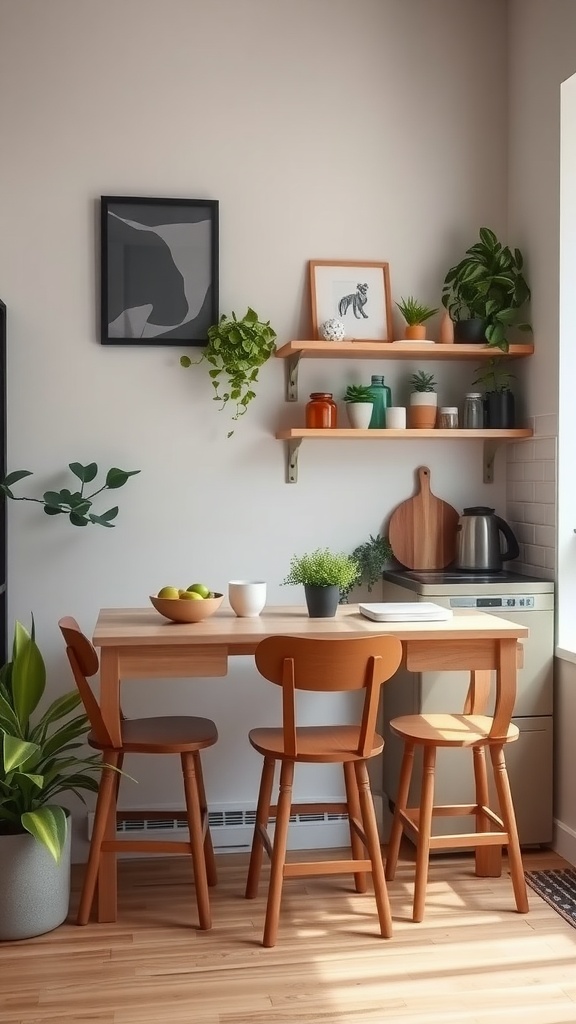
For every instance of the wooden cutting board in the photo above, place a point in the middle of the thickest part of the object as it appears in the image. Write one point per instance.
(422, 530)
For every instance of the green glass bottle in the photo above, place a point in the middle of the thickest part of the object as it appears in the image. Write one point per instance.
(382, 400)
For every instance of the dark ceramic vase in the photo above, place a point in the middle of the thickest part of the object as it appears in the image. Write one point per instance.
(322, 602)
(499, 410)
(470, 332)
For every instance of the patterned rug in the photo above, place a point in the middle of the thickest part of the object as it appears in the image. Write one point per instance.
(558, 888)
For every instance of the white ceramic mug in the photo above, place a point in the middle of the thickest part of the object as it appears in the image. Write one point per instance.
(247, 597)
(396, 417)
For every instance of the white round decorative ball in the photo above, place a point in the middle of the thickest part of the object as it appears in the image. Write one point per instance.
(333, 330)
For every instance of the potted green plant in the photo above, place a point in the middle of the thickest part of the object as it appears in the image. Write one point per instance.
(499, 401)
(359, 404)
(423, 401)
(485, 291)
(323, 573)
(75, 504)
(38, 763)
(415, 315)
(236, 350)
(372, 557)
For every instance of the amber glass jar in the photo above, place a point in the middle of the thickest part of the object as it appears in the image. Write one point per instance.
(321, 411)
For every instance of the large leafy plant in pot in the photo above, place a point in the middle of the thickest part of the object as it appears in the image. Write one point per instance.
(38, 763)
(485, 291)
(236, 350)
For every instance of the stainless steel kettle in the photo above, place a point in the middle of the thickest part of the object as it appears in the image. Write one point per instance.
(479, 541)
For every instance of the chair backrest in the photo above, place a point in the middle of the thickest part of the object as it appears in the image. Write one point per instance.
(329, 665)
(84, 663)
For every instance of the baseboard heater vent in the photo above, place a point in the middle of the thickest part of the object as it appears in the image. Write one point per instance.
(232, 829)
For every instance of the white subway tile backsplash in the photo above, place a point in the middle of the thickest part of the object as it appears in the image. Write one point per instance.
(545, 448)
(533, 470)
(545, 536)
(546, 493)
(535, 555)
(536, 514)
(526, 532)
(550, 470)
(550, 515)
(523, 452)
(515, 511)
(515, 470)
(522, 490)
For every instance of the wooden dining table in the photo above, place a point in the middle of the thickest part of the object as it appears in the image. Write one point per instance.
(138, 643)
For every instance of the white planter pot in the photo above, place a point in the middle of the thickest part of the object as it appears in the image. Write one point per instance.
(34, 889)
(359, 414)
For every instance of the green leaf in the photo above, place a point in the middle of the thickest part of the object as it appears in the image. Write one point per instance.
(48, 825)
(84, 473)
(77, 520)
(488, 238)
(51, 511)
(185, 361)
(13, 478)
(55, 497)
(17, 752)
(28, 675)
(118, 477)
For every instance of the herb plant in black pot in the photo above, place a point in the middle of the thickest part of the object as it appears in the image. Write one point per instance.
(485, 291)
(323, 573)
(499, 402)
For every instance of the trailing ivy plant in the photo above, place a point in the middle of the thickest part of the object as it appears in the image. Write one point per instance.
(75, 504)
(236, 350)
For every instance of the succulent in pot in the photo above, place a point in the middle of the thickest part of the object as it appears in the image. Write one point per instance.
(323, 573)
(359, 405)
(415, 314)
(423, 401)
(485, 291)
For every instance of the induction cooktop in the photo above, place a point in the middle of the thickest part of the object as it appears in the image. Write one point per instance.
(449, 580)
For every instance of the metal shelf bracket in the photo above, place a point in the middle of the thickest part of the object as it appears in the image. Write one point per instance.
(292, 461)
(292, 378)
(489, 454)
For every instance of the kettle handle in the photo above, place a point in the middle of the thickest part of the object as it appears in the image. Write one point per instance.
(513, 550)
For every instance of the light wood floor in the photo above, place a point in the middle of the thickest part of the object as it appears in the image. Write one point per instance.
(472, 960)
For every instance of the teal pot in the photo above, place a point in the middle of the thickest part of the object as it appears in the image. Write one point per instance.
(499, 410)
(470, 332)
(322, 602)
(34, 889)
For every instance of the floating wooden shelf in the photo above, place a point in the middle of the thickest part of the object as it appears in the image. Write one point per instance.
(294, 351)
(492, 440)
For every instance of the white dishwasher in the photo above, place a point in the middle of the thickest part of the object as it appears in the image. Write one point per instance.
(523, 599)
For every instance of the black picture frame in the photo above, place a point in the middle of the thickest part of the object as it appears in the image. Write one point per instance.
(158, 288)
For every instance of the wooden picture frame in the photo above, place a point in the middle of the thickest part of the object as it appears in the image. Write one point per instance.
(356, 292)
(159, 270)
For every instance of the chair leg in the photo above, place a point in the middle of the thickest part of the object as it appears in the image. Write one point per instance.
(278, 854)
(424, 833)
(209, 857)
(260, 825)
(401, 805)
(196, 840)
(509, 818)
(488, 859)
(374, 850)
(353, 802)
(105, 807)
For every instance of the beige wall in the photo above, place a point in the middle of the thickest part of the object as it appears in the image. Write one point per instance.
(542, 56)
(355, 129)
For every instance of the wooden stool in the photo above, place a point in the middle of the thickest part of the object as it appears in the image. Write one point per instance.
(183, 735)
(475, 730)
(321, 665)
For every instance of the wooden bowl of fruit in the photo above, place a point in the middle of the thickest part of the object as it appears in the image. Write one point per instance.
(196, 603)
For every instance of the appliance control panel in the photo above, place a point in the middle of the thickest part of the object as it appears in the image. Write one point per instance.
(505, 601)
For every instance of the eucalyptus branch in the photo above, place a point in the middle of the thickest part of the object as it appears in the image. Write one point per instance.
(75, 504)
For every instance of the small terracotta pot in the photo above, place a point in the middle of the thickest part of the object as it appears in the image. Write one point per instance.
(415, 332)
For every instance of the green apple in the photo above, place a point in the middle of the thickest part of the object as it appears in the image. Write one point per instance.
(169, 592)
(199, 588)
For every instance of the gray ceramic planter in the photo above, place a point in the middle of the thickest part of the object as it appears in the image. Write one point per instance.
(34, 890)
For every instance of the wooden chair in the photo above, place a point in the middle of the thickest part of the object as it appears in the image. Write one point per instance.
(329, 665)
(472, 729)
(182, 735)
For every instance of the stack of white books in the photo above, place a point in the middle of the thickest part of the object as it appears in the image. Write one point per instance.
(405, 611)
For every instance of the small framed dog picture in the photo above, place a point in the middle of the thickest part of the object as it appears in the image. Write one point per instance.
(354, 292)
